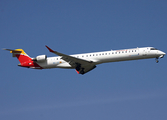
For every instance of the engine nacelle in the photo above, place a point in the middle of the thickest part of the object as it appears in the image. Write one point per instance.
(40, 58)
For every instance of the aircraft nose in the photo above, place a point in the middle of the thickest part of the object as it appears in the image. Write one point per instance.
(163, 53)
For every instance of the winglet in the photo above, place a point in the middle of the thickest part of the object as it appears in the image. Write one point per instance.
(49, 48)
(77, 71)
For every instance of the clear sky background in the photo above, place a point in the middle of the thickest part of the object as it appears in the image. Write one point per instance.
(132, 90)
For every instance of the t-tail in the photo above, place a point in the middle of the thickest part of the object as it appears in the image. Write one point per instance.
(24, 59)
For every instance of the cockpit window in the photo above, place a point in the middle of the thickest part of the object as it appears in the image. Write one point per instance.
(153, 49)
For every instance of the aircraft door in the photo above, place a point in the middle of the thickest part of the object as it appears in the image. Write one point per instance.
(145, 52)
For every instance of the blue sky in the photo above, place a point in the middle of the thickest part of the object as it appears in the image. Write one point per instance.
(123, 90)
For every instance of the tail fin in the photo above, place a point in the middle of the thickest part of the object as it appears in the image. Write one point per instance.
(20, 54)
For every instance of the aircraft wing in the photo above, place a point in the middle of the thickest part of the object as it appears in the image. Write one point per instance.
(81, 66)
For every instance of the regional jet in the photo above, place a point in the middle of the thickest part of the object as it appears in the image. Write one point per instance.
(85, 62)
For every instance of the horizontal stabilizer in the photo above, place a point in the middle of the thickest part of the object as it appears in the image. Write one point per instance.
(16, 51)
(13, 51)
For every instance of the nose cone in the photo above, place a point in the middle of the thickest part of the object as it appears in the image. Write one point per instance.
(163, 53)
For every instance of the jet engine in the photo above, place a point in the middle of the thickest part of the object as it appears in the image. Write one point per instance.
(40, 58)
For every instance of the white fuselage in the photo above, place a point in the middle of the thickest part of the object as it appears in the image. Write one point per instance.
(104, 57)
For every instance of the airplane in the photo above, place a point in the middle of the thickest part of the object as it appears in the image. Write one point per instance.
(85, 62)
